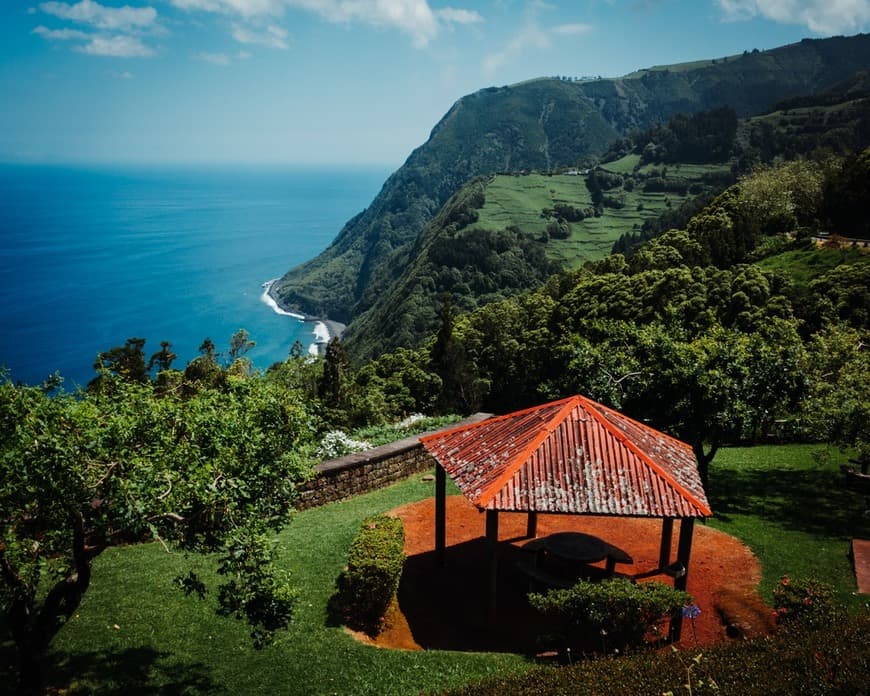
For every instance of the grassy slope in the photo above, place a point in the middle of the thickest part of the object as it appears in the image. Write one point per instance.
(790, 505)
(802, 266)
(519, 200)
(134, 629)
(169, 642)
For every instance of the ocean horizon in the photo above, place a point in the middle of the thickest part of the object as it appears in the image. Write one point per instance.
(93, 255)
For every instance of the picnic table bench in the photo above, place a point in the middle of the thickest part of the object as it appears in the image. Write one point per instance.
(574, 552)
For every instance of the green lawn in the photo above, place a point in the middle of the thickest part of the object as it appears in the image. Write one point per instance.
(789, 504)
(134, 630)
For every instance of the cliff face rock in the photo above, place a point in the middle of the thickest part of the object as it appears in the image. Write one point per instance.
(545, 125)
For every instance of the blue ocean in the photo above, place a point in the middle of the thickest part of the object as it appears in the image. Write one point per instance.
(92, 256)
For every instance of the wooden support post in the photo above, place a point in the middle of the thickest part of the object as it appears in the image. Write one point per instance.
(684, 551)
(532, 525)
(440, 514)
(492, 554)
(667, 535)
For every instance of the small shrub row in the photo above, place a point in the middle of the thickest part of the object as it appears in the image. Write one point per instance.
(374, 568)
(617, 613)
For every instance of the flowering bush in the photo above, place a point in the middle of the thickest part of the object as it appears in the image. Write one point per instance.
(337, 443)
(808, 602)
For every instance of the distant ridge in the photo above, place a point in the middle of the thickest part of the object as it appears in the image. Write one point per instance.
(543, 124)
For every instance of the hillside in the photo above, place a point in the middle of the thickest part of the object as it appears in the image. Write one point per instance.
(543, 125)
(506, 234)
(502, 234)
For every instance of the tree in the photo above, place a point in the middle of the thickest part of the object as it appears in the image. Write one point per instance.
(461, 389)
(837, 408)
(163, 358)
(240, 344)
(127, 362)
(332, 387)
(721, 386)
(215, 471)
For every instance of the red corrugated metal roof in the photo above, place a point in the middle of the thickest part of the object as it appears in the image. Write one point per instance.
(571, 456)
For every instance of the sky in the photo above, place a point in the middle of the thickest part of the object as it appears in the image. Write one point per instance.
(330, 82)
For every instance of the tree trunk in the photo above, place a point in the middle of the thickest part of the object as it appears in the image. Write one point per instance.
(34, 626)
(704, 459)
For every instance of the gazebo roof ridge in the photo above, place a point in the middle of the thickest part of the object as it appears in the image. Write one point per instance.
(622, 437)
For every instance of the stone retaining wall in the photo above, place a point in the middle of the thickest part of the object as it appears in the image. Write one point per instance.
(362, 472)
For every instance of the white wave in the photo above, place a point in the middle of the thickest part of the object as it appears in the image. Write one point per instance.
(266, 298)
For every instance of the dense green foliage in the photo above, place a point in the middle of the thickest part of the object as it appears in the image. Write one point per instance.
(374, 568)
(201, 468)
(611, 615)
(577, 218)
(834, 659)
(543, 125)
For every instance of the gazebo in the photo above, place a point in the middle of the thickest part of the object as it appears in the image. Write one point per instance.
(571, 457)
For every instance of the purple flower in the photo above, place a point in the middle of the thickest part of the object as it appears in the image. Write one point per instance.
(692, 611)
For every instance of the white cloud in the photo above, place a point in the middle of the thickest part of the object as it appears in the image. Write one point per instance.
(213, 58)
(61, 34)
(124, 18)
(819, 16)
(243, 8)
(572, 29)
(452, 15)
(272, 36)
(532, 36)
(414, 18)
(116, 46)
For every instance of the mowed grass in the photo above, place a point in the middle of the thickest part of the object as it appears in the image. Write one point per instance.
(519, 200)
(791, 506)
(136, 633)
(135, 630)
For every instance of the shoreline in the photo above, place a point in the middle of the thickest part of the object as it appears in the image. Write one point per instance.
(324, 329)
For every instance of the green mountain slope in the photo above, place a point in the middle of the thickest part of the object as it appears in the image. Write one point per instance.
(502, 235)
(542, 125)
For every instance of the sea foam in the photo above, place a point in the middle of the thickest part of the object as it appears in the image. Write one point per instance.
(267, 298)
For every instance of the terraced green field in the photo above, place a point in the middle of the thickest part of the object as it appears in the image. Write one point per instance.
(520, 200)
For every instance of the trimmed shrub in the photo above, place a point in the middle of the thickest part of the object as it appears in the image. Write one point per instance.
(374, 568)
(618, 611)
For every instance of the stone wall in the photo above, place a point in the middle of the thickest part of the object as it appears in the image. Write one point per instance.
(362, 472)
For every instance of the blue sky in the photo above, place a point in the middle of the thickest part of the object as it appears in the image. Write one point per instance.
(330, 81)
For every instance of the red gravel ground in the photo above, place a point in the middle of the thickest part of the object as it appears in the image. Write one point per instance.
(445, 607)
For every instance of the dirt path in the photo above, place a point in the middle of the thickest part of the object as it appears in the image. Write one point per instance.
(444, 608)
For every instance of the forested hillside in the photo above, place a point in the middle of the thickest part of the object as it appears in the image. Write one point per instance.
(545, 125)
(648, 182)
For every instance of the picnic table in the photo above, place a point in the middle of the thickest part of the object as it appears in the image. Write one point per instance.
(574, 552)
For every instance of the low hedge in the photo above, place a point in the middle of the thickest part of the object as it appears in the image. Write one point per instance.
(374, 567)
(613, 614)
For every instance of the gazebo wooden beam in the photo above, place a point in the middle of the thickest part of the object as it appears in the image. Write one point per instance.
(440, 514)
(667, 536)
(532, 524)
(492, 558)
(684, 551)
